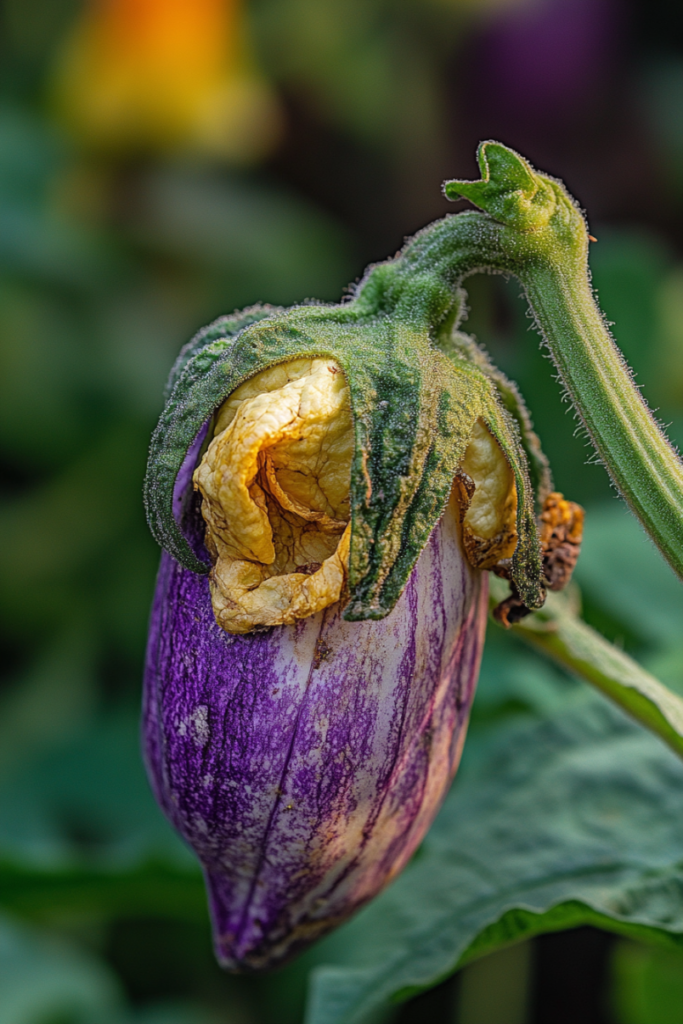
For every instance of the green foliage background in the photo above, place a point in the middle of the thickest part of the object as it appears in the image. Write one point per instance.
(564, 812)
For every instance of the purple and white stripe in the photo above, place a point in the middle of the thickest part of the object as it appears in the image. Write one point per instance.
(305, 764)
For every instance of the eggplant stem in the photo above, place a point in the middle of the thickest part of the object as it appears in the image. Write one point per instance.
(557, 632)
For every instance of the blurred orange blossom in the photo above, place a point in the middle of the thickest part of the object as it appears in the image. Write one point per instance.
(165, 75)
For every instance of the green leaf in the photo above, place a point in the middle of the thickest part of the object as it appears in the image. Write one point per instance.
(83, 803)
(80, 833)
(576, 819)
(242, 238)
(147, 889)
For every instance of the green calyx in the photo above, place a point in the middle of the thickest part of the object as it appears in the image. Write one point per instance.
(415, 397)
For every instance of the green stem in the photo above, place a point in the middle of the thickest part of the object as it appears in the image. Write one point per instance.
(543, 240)
(642, 464)
(559, 634)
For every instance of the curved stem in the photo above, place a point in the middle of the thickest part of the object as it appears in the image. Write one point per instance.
(559, 634)
(640, 460)
(543, 240)
(637, 455)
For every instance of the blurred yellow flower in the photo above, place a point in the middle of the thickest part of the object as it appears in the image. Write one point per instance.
(165, 75)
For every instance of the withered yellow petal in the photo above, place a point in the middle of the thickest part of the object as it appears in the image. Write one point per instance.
(275, 483)
(489, 525)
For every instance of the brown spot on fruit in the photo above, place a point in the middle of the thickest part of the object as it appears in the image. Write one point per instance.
(322, 652)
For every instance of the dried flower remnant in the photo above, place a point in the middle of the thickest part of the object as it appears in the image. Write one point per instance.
(488, 501)
(275, 485)
(561, 533)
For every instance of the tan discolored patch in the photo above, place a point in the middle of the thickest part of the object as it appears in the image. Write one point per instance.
(275, 486)
(487, 495)
(560, 534)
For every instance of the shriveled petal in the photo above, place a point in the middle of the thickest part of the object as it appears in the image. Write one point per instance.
(489, 524)
(243, 593)
(275, 488)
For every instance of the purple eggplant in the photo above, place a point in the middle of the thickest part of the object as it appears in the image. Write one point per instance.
(304, 764)
(321, 605)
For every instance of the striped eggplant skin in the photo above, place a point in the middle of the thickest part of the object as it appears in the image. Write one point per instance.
(304, 764)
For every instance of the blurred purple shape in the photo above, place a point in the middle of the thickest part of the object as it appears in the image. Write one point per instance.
(548, 54)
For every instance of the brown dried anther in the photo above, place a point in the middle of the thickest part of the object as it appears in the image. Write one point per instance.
(560, 534)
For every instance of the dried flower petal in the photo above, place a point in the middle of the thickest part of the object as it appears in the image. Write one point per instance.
(490, 521)
(275, 486)
(275, 483)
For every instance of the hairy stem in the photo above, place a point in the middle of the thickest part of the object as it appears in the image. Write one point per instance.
(640, 460)
(537, 232)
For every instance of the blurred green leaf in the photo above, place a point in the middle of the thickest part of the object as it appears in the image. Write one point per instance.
(627, 268)
(149, 889)
(647, 984)
(514, 681)
(342, 51)
(257, 241)
(44, 980)
(662, 94)
(621, 570)
(577, 819)
(177, 1013)
(50, 703)
(29, 154)
(668, 362)
(35, 241)
(47, 979)
(57, 532)
(44, 372)
(86, 805)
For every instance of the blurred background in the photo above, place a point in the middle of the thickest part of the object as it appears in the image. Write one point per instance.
(166, 161)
